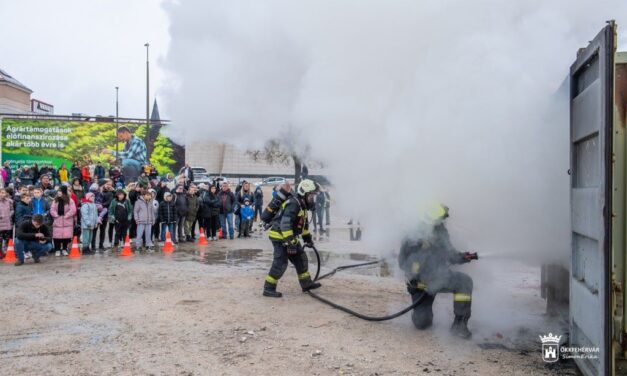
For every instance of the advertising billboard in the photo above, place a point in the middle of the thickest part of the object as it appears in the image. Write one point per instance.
(47, 141)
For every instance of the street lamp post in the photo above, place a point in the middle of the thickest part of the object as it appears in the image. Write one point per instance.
(147, 45)
(117, 115)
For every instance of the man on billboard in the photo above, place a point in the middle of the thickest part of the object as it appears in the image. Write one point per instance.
(134, 156)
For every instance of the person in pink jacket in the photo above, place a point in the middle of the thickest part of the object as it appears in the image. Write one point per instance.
(6, 222)
(63, 212)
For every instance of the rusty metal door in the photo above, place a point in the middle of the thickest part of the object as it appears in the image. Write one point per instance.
(591, 79)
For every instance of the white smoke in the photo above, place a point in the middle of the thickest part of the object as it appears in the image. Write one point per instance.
(405, 102)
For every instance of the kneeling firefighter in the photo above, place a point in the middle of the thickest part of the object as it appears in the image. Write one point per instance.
(426, 265)
(288, 224)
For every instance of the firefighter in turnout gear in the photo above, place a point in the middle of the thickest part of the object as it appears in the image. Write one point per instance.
(426, 265)
(287, 226)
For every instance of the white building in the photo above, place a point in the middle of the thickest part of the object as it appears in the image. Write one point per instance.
(14, 96)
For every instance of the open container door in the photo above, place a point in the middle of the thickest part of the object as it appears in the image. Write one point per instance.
(591, 78)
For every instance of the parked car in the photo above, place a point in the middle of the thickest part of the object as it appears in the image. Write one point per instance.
(199, 170)
(200, 178)
(273, 180)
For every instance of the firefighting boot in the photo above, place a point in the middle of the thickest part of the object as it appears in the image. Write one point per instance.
(307, 284)
(460, 327)
(269, 290)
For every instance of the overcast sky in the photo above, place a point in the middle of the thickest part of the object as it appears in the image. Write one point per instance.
(73, 53)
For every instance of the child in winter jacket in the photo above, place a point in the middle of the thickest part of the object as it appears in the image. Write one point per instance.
(167, 215)
(144, 215)
(120, 214)
(89, 221)
(22, 209)
(63, 211)
(6, 223)
(247, 213)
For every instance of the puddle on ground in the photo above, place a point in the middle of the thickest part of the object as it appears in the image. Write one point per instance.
(256, 257)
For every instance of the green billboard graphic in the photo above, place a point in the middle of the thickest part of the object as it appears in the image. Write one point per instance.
(56, 142)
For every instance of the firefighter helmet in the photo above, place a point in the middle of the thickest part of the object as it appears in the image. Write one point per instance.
(306, 186)
(437, 213)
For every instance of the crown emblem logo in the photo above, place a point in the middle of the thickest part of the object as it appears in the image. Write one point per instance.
(554, 339)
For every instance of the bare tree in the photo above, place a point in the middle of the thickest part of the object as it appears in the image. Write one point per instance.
(275, 152)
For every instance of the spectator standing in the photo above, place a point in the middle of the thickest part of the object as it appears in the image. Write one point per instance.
(62, 211)
(106, 192)
(213, 203)
(39, 205)
(53, 175)
(167, 215)
(89, 221)
(75, 171)
(258, 202)
(5, 179)
(77, 189)
(99, 171)
(193, 205)
(86, 177)
(227, 206)
(161, 190)
(133, 197)
(247, 213)
(121, 213)
(144, 216)
(22, 208)
(188, 174)
(318, 213)
(155, 207)
(180, 201)
(7, 170)
(244, 193)
(6, 220)
(45, 183)
(25, 176)
(327, 206)
(35, 171)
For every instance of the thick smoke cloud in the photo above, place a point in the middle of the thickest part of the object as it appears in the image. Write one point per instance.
(405, 102)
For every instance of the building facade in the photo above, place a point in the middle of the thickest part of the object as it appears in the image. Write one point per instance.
(14, 96)
(227, 160)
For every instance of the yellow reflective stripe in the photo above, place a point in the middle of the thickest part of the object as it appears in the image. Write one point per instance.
(415, 267)
(283, 204)
(271, 280)
(287, 233)
(421, 286)
(461, 297)
(301, 213)
(304, 275)
(306, 232)
(275, 235)
(270, 209)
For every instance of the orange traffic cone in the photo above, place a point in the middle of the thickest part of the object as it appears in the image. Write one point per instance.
(168, 246)
(9, 257)
(203, 239)
(74, 252)
(126, 251)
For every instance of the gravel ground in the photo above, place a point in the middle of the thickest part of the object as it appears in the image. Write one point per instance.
(200, 311)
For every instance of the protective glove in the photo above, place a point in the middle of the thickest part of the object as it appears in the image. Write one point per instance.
(309, 244)
(469, 256)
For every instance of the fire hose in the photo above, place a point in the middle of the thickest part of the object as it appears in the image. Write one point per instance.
(348, 310)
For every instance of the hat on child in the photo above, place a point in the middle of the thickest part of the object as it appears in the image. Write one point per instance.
(89, 195)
